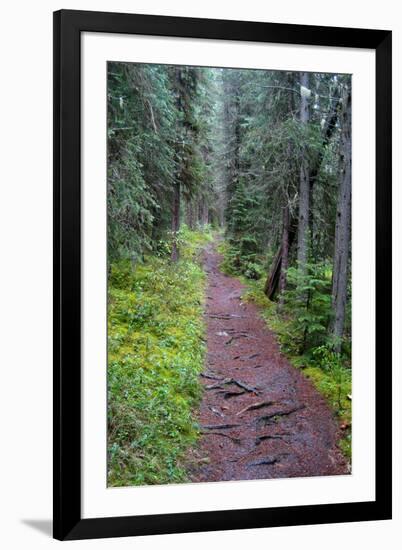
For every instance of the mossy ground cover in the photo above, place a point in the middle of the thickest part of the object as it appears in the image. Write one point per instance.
(155, 354)
(329, 373)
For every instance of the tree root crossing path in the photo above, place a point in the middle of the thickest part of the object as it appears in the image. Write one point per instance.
(259, 417)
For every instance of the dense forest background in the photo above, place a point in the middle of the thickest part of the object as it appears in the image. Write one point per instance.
(263, 159)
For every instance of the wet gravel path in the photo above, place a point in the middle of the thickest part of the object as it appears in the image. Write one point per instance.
(260, 417)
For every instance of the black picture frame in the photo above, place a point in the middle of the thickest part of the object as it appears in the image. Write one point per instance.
(68, 522)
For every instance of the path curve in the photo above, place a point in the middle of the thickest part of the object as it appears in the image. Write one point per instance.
(260, 417)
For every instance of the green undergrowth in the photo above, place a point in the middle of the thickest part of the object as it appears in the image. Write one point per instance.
(329, 372)
(155, 353)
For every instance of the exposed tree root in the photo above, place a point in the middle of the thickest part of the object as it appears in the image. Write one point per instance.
(241, 385)
(236, 440)
(246, 387)
(216, 412)
(211, 376)
(225, 317)
(227, 394)
(268, 418)
(267, 460)
(255, 406)
(233, 338)
(238, 336)
(262, 438)
(219, 426)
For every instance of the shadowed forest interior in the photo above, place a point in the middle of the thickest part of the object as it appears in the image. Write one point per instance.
(229, 280)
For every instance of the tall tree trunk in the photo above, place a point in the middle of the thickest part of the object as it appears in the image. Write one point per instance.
(179, 150)
(286, 211)
(272, 281)
(314, 170)
(199, 211)
(205, 213)
(342, 229)
(175, 221)
(330, 126)
(285, 255)
(190, 213)
(232, 146)
(304, 186)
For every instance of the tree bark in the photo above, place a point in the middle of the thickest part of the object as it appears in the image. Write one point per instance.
(285, 255)
(190, 213)
(342, 229)
(176, 190)
(199, 211)
(205, 213)
(304, 186)
(272, 282)
(175, 221)
(328, 131)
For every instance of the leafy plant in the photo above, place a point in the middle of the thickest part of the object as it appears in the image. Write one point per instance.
(308, 305)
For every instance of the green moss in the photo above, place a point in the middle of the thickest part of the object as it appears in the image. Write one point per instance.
(155, 353)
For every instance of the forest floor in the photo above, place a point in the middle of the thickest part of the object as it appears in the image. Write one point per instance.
(259, 417)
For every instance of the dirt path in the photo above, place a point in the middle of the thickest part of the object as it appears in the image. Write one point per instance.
(260, 417)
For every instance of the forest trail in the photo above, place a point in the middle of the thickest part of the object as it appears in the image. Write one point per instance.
(260, 417)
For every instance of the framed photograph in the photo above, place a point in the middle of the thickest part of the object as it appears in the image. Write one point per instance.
(222, 274)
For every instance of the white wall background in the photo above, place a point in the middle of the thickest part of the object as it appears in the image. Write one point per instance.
(26, 270)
